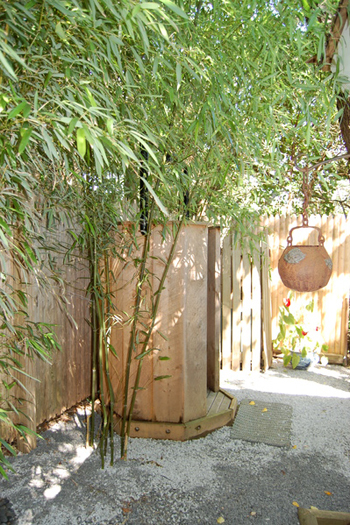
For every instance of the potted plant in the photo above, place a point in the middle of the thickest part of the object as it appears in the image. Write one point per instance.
(299, 339)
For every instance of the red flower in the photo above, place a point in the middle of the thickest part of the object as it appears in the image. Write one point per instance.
(304, 333)
(317, 328)
(286, 303)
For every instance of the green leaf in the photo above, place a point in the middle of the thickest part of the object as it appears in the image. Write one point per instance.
(162, 335)
(164, 358)
(289, 319)
(8, 447)
(156, 198)
(310, 306)
(18, 109)
(143, 354)
(47, 79)
(159, 378)
(26, 134)
(5, 227)
(176, 9)
(60, 32)
(295, 360)
(178, 76)
(81, 141)
(50, 145)
(7, 66)
(109, 125)
(3, 473)
(72, 125)
(149, 5)
(25, 430)
(287, 359)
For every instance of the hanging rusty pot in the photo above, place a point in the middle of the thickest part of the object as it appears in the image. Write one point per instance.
(305, 268)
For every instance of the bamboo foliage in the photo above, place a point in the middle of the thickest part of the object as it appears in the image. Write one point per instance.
(87, 85)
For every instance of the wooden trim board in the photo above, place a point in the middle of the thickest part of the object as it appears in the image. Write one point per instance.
(335, 359)
(322, 517)
(183, 431)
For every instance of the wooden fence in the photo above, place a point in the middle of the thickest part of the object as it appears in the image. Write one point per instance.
(67, 380)
(252, 293)
(250, 304)
(246, 312)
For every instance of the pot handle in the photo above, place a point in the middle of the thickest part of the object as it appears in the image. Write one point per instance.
(321, 239)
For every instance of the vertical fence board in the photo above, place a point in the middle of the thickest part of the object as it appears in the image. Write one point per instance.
(214, 310)
(226, 303)
(256, 310)
(266, 307)
(236, 308)
(246, 312)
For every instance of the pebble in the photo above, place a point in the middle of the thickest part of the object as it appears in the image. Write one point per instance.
(7, 514)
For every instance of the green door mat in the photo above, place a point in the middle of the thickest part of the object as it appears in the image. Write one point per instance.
(261, 422)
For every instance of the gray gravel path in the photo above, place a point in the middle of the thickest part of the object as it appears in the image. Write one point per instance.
(197, 482)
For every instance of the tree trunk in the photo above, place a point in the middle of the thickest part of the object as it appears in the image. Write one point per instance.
(344, 120)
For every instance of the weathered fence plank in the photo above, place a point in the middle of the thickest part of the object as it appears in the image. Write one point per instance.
(244, 307)
(214, 310)
(246, 312)
(256, 312)
(236, 309)
(266, 309)
(226, 304)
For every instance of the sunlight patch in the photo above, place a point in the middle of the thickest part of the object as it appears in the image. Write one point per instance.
(52, 492)
(81, 454)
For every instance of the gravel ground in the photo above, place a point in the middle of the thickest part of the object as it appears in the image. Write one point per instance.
(200, 481)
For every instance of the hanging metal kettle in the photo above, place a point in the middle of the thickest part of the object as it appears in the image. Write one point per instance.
(305, 268)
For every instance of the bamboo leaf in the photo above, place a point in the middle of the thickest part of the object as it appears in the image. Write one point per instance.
(155, 196)
(8, 67)
(81, 141)
(162, 335)
(60, 32)
(2, 471)
(50, 145)
(176, 9)
(8, 447)
(178, 76)
(26, 134)
(18, 109)
(25, 430)
(72, 125)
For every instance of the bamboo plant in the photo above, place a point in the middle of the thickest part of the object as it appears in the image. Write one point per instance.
(217, 94)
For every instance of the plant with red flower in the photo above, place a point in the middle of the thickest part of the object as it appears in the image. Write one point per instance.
(293, 340)
(286, 302)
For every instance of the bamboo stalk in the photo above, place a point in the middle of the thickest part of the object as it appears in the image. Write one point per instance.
(101, 323)
(150, 329)
(146, 247)
(106, 345)
(94, 342)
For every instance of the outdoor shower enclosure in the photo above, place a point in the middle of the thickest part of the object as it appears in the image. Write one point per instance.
(185, 340)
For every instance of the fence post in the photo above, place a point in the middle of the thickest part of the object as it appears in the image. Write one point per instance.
(214, 309)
